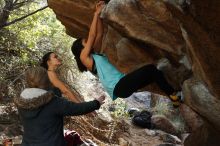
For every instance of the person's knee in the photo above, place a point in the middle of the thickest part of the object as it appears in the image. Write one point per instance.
(150, 68)
(122, 93)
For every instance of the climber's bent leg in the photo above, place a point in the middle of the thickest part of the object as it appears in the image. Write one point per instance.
(140, 78)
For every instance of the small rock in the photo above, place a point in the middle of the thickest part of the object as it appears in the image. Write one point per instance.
(122, 142)
(162, 123)
(150, 132)
(192, 119)
(133, 111)
(167, 144)
(184, 136)
(170, 139)
(89, 142)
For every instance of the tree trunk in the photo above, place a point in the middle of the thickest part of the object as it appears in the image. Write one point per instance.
(4, 15)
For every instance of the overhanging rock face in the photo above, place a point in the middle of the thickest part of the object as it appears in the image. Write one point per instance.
(139, 32)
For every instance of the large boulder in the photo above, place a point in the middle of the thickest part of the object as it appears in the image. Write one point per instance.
(198, 97)
(75, 15)
(192, 119)
(148, 21)
(138, 32)
(201, 32)
(206, 135)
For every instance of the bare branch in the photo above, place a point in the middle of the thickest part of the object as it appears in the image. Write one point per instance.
(4, 15)
(18, 5)
(15, 1)
(21, 18)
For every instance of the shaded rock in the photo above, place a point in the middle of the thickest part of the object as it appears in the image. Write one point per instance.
(164, 124)
(192, 119)
(205, 135)
(123, 142)
(199, 34)
(199, 98)
(150, 132)
(128, 50)
(145, 100)
(140, 100)
(205, 13)
(153, 28)
(170, 139)
(141, 32)
(125, 54)
(175, 75)
(184, 136)
(76, 16)
(111, 38)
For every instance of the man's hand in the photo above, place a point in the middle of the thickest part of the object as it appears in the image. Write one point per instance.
(101, 99)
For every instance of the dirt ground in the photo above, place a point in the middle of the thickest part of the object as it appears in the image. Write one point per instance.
(118, 132)
(91, 127)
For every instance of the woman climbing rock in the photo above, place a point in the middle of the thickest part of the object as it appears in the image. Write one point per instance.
(115, 83)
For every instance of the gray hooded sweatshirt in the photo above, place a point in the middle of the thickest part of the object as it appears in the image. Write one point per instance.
(42, 115)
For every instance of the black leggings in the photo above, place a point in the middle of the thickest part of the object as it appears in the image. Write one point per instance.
(139, 78)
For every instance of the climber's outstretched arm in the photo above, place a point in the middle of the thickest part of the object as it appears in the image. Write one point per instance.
(99, 34)
(85, 56)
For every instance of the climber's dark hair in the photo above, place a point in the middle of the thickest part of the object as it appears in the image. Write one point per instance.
(44, 60)
(76, 50)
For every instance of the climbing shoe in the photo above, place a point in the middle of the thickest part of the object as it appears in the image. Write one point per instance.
(176, 99)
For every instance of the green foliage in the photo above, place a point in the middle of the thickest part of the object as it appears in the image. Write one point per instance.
(24, 43)
(2, 3)
(162, 108)
(119, 109)
(41, 32)
(179, 122)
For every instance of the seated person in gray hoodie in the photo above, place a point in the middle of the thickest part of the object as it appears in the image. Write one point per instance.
(42, 111)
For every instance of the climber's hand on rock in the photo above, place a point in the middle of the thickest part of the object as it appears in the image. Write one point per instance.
(99, 7)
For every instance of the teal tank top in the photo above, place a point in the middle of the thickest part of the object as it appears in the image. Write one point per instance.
(107, 73)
